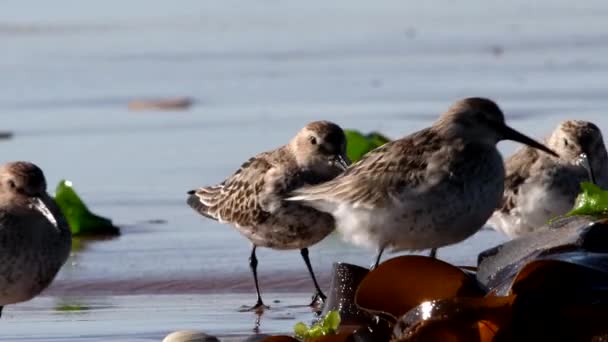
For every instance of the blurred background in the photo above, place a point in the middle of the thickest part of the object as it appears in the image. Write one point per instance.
(72, 74)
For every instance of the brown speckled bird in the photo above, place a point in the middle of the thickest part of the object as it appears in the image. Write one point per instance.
(539, 187)
(35, 239)
(433, 188)
(252, 199)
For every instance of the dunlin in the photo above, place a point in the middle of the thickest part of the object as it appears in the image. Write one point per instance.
(252, 198)
(539, 187)
(35, 239)
(433, 188)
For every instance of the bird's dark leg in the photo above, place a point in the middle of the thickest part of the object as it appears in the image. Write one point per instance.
(1, 307)
(433, 253)
(319, 293)
(253, 263)
(378, 257)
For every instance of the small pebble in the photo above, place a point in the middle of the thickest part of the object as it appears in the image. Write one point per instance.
(189, 336)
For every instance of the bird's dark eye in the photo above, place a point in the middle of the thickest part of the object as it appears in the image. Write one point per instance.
(313, 140)
(12, 184)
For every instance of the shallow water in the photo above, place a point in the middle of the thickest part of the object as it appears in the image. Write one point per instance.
(258, 71)
(146, 317)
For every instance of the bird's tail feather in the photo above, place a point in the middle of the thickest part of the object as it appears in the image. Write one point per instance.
(204, 200)
(312, 196)
(308, 193)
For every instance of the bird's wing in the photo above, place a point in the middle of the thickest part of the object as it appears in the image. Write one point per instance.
(518, 169)
(384, 173)
(246, 198)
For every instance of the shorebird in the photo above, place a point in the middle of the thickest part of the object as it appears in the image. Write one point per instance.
(539, 187)
(35, 239)
(430, 189)
(252, 198)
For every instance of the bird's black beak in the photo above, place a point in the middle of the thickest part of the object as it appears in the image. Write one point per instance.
(38, 204)
(509, 133)
(584, 160)
(341, 161)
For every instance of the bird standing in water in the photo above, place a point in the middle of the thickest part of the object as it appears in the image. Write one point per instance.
(252, 199)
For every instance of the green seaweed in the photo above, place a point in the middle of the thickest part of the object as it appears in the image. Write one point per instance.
(591, 201)
(358, 144)
(327, 326)
(71, 307)
(81, 220)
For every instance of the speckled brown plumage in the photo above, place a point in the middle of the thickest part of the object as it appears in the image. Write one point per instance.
(388, 168)
(252, 199)
(432, 188)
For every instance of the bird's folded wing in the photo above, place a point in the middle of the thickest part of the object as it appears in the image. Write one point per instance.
(382, 175)
(242, 198)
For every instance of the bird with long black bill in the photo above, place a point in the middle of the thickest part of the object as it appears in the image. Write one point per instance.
(430, 189)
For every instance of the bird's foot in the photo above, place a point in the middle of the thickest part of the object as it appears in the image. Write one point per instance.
(258, 308)
(318, 299)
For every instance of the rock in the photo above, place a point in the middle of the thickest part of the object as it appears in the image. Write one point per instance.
(344, 283)
(189, 336)
(579, 239)
(179, 103)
